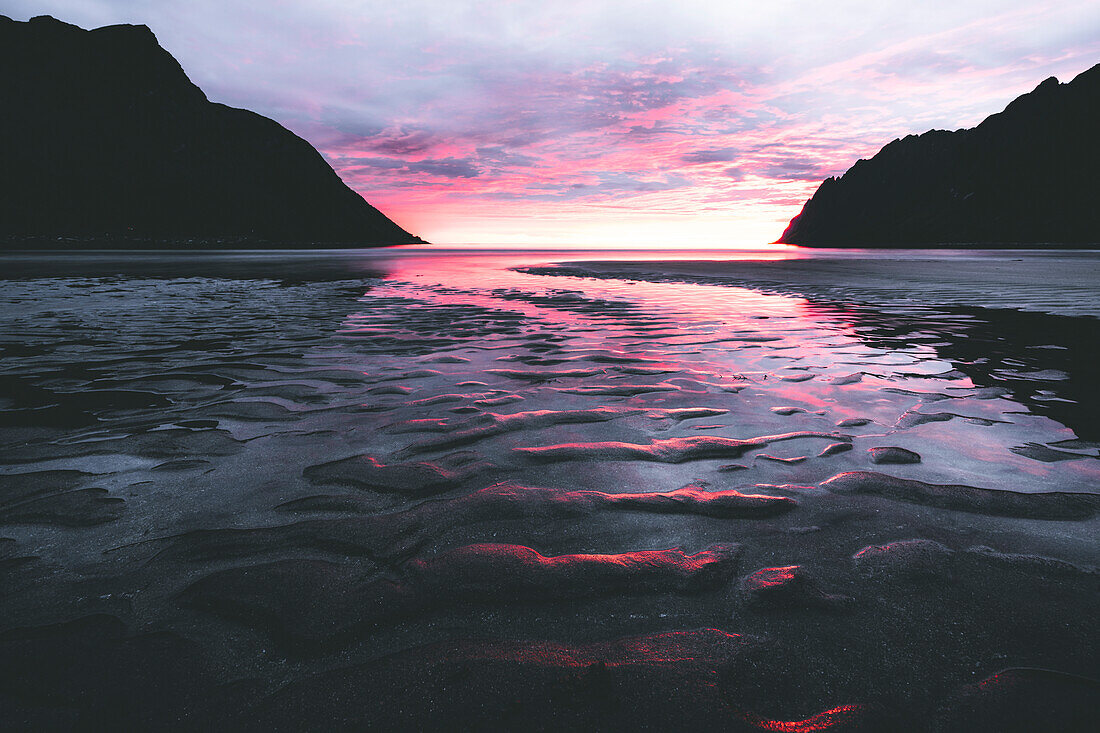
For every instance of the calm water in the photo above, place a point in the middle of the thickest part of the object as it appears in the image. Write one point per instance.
(147, 397)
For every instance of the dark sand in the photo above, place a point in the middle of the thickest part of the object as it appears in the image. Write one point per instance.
(1056, 282)
(427, 492)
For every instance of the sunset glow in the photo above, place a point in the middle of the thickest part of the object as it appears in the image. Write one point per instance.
(622, 124)
(549, 365)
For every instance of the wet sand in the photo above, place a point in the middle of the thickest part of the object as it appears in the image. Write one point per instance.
(1061, 282)
(430, 492)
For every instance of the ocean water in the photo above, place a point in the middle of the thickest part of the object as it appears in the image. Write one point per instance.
(299, 461)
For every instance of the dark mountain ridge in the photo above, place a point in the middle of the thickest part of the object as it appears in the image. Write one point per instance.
(1026, 176)
(105, 140)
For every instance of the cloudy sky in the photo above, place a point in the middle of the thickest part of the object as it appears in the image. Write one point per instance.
(602, 122)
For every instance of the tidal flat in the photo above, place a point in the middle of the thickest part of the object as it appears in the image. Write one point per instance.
(442, 489)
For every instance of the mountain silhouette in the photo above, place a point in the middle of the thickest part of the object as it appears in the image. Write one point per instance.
(103, 138)
(1026, 176)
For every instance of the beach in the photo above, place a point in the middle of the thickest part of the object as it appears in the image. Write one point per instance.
(550, 490)
(1054, 282)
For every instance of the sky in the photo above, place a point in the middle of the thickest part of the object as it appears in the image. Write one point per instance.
(605, 123)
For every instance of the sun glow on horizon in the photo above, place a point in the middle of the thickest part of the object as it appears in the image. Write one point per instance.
(542, 224)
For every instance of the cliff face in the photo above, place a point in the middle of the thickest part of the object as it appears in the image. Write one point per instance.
(103, 135)
(1025, 176)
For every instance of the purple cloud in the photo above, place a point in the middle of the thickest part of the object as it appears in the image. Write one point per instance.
(446, 168)
(714, 155)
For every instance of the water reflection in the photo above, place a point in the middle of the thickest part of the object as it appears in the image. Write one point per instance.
(1044, 361)
(817, 364)
(299, 462)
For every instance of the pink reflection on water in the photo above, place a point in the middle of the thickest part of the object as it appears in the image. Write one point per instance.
(778, 363)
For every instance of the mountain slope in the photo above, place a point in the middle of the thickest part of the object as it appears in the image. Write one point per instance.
(1025, 176)
(104, 137)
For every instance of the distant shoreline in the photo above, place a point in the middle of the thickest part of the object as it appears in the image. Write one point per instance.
(28, 243)
(1045, 246)
(61, 243)
(1066, 285)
